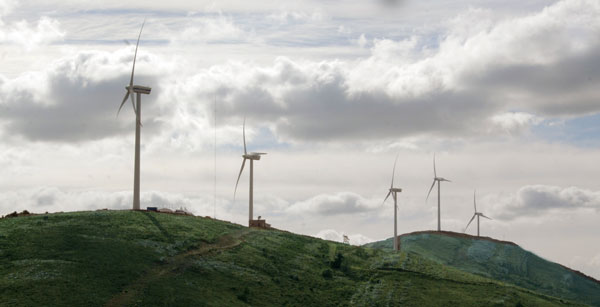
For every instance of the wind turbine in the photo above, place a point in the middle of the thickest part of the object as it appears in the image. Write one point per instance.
(137, 108)
(394, 191)
(476, 214)
(438, 180)
(248, 156)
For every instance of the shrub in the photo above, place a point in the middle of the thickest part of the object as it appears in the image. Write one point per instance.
(337, 263)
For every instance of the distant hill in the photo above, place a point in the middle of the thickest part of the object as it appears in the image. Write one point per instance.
(129, 258)
(499, 260)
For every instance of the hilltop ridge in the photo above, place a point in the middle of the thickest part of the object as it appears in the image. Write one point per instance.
(127, 258)
(500, 260)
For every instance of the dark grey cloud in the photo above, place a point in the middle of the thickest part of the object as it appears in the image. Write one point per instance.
(563, 88)
(76, 107)
(320, 107)
(537, 200)
(334, 204)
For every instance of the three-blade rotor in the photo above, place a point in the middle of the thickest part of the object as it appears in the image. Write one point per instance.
(435, 179)
(475, 213)
(246, 156)
(129, 88)
(393, 174)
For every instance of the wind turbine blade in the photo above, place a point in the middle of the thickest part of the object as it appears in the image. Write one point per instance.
(388, 195)
(474, 202)
(394, 170)
(434, 172)
(135, 54)
(244, 135)
(432, 185)
(122, 103)
(238, 180)
(485, 216)
(470, 221)
(130, 91)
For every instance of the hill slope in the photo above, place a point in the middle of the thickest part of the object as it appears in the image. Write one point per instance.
(499, 260)
(122, 258)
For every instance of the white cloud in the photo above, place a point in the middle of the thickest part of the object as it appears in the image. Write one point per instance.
(333, 235)
(515, 122)
(24, 34)
(53, 199)
(220, 28)
(589, 266)
(405, 88)
(294, 17)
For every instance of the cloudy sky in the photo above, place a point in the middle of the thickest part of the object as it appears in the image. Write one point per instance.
(503, 92)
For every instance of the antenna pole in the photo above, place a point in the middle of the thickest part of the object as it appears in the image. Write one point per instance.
(439, 222)
(215, 160)
(136, 175)
(251, 200)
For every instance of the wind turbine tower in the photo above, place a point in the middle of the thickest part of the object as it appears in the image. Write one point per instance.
(138, 90)
(252, 157)
(476, 214)
(393, 192)
(438, 180)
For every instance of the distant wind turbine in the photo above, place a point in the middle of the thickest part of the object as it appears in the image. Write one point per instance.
(393, 192)
(476, 214)
(438, 180)
(248, 156)
(138, 90)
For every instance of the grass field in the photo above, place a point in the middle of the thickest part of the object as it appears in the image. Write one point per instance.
(503, 261)
(127, 258)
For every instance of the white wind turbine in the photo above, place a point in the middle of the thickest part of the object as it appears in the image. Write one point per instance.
(138, 90)
(438, 180)
(248, 156)
(476, 214)
(393, 192)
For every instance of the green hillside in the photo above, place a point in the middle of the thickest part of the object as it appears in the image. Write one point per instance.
(504, 261)
(123, 258)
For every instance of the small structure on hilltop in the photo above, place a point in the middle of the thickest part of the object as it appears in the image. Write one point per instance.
(183, 211)
(23, 213)
(258, 223)
(346, 239)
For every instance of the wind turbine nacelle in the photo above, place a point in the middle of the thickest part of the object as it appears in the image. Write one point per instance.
(140, 89)
(252, 156)
(398, 190)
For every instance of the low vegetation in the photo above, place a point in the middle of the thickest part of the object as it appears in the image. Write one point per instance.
(123, 258)
(502, 261)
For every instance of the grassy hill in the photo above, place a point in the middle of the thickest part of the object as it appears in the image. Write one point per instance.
(127, 258)
(499, 260)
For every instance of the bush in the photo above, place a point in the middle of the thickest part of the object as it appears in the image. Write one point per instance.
(327, 274)
(244, 296)
(337, 263)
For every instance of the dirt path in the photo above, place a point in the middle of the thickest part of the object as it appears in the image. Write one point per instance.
(174, 263)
